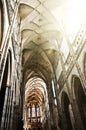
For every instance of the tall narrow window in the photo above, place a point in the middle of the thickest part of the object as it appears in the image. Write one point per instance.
(54, 94)
(33, 111)
(53, 89)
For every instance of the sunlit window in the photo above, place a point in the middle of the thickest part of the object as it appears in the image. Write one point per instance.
(54, 94)
(29, 112)
(33, 111)
(53, 89)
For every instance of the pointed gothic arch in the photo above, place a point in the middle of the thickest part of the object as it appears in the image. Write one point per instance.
(80, 96)
(66, 109)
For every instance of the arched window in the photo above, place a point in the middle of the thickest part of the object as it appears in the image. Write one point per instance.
(67, 110)
(81, 99)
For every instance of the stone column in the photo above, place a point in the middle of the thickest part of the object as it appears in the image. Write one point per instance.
(3, 119)
(26, 113)
(36, 113)
(12, 111)
(77, 117)
(39, 113)
(51, 108)
(30, 113)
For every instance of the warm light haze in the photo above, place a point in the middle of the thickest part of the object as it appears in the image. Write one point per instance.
(71, 15)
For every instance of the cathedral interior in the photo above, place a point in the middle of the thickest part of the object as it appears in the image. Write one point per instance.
(42, 65)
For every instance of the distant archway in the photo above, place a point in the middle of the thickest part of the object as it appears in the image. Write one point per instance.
(81, 99)
(35, 96)
(67, 111)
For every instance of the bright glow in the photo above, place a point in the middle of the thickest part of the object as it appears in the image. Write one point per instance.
(53, 89)
(71, 15)
(75, 16)
(73, 22)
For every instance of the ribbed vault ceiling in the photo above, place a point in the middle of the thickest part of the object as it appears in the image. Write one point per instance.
(39, 29)
(40, 33)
